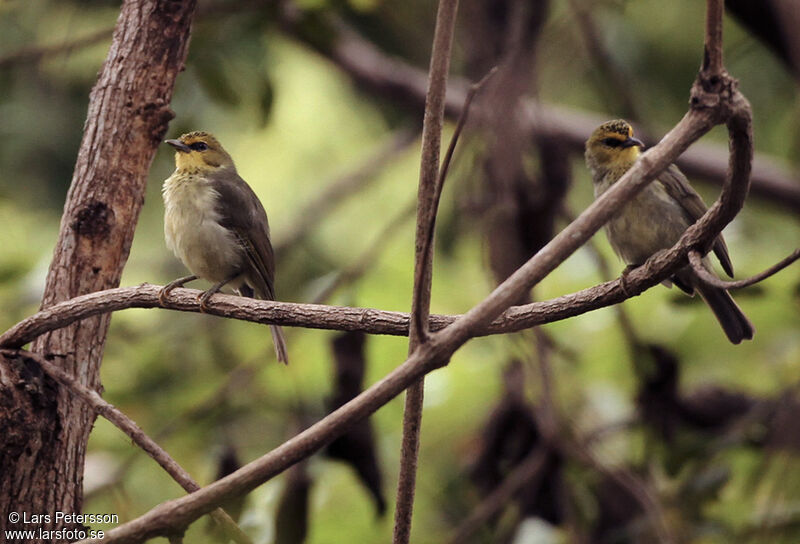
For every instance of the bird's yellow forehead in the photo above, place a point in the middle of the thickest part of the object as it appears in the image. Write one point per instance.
(199, 136)
(617, 128)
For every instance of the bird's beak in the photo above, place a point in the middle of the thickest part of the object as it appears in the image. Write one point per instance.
(630, 142)
(178, 145)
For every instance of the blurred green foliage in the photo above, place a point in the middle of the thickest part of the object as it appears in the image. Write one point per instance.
(293, 121)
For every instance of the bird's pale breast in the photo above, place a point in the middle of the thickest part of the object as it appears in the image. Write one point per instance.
(192, 230)
(652, 221)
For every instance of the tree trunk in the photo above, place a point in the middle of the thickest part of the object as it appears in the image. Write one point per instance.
(43, 429)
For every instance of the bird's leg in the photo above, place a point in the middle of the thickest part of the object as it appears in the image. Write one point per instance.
(204, 298)
(623, 278)
(164, 293)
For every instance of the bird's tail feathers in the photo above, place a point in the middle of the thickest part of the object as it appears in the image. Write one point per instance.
(280, 344)
(735, 324)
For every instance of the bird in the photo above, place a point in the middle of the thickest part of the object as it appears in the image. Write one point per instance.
(656, 218)
(216, 225)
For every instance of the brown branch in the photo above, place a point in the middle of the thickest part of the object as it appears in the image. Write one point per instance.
(625, 322)
(427, 249)
(712, 54)
(134, 432)
(423, 260)
(390, 76)
(341, 318)
(696, 260)
(348, 184)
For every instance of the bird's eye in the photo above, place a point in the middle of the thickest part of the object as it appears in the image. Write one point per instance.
(612, 142)
(198, 146)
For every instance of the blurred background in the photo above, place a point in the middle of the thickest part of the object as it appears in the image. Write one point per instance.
(649, 412)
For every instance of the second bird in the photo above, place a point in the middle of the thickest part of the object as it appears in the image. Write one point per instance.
(215, 224)
(656, 218)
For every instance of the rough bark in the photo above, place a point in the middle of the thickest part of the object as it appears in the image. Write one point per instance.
(42, 463)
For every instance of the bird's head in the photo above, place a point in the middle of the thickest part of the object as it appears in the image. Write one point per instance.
(612, 147)
(199, 151)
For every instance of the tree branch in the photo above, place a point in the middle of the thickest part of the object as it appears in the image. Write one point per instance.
(712, 54)
(427, 204)
(696, 260)
(135, 433)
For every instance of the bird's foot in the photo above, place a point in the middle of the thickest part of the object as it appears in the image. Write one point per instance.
(623, 279)
(204, 298)
(164, 293)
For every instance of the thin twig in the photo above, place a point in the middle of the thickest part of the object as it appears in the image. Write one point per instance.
(712, 55)
(696, 260)
(427, 252)
(346, 185)
(359, 266)
(135, 433)
(423, 259)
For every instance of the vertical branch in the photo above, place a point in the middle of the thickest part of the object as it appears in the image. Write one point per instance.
(127, 117)
(426, 214)
(712, 55)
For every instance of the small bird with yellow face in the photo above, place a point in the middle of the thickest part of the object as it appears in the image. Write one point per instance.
(656, 218)
(215, 224)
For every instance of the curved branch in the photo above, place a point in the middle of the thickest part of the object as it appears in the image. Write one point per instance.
(696, 260)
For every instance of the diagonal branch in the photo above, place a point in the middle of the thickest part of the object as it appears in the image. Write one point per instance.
(135, 433)
(526, 474)
(333, 193)
(360, 264)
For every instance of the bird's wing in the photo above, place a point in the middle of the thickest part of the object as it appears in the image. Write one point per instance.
(244, 215)
(678, 187)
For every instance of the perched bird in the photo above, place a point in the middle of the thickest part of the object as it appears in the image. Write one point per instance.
(215, 224)
(656, 218)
